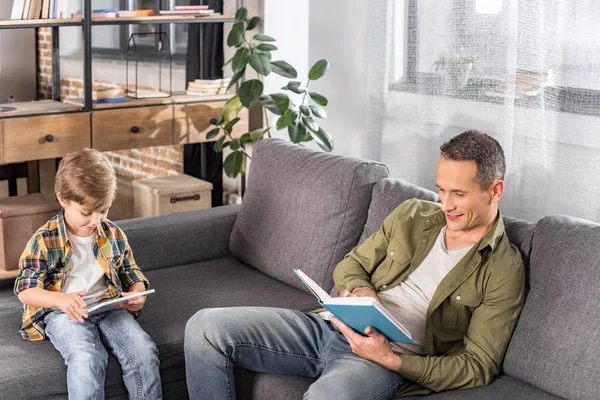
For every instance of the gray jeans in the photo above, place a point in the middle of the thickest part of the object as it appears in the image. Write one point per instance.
(278, 341)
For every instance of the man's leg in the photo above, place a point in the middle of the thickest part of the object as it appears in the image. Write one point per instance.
(260, 339)
(348, 376)
(136, 353)
(84, 354)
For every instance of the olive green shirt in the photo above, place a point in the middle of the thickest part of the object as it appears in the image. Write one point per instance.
(474, 310)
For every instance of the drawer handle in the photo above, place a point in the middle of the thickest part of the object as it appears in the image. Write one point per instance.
(49, 138)
(213, 121)
(175, 199)
(135, 129)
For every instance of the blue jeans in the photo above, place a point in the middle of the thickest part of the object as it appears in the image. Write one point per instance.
(278, 341)
(84, 348)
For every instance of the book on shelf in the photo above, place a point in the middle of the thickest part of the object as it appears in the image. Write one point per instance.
(146, 94)
(202, 93)
(99, 13)
(17, 9)
(112, 304)
(198, 7)
(107, 92)
(46, 9)
(359, 312)
(198, 12)
(217, 80)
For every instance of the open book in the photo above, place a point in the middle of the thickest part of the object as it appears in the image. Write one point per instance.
(359, 312)
(112, 304)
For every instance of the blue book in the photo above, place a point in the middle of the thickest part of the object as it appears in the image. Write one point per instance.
(359, 312)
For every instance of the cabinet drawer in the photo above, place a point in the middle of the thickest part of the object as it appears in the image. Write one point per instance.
(51, 136)
(192, 121)
(132, 128)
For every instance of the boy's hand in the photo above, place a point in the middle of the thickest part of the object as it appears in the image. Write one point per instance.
(73, 305)
(134, 304)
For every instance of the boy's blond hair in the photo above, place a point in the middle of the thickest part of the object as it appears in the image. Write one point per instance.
(86, 177)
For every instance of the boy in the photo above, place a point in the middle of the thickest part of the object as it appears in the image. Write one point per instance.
(79, 259)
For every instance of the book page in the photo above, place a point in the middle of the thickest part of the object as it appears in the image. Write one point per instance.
(312, 285)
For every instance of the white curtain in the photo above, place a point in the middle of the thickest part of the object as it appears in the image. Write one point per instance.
(526, 72)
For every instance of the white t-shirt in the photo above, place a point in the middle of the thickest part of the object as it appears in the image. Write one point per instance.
(85, 272)
(408, 302)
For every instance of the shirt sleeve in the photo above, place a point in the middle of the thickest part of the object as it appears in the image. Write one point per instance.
(32, 266)
(490, 329)
(129, 272)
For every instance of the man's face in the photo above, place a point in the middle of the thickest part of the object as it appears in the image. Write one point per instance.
(466, 204)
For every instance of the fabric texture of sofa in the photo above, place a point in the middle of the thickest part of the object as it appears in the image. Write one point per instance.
(307, 209)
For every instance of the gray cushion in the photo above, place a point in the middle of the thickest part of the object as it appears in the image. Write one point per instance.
(556, 344)
(520, 233)
(180, 293)
(387, 195)
(303, 209)
(503, 388)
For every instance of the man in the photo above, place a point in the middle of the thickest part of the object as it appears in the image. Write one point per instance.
(446, 271)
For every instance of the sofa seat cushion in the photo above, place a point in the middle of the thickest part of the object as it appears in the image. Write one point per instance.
(502, 388)
(260, 386)
(180, 292)
(556, 343)
(303, 209)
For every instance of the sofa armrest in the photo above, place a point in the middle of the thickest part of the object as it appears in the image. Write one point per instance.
(181, 238)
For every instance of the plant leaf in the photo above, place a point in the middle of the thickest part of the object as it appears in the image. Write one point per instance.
(318, 69)
(236, 77)
(305, 110)
(227, 63)
(219, 144)
(295, 87)
(266, 47)
(236, 144)
(233, 164)
(319, 99)
(250, 91)
(263, 38)
(240, 59)
(257, 134)
(318, 111)
(253, 23)
(241, 14)
(261, 64)
(277, 103)
(310, 124)
(220, 120)
(284, 69)
(288, 118)
(323, 139)
(296, 132)
(212, 133)
(236, 35)
(231, 108)
(230, 124)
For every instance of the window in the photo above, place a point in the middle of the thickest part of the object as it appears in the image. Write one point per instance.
(549, 49)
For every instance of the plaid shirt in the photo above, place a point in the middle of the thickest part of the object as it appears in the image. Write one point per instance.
(46, 262)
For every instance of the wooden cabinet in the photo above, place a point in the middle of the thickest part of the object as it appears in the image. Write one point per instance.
(48, 136)
(192, 121)
(130, 128)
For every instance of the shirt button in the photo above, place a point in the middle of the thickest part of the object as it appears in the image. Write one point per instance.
(383, 286)
(457, 297)
(391, 253)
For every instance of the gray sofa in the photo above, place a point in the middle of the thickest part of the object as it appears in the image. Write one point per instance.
(305, 209)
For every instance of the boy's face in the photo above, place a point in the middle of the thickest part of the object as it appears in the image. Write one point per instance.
(80, 220)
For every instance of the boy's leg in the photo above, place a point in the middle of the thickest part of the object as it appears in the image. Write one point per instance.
(257, 338)
(84, 354)
(136, 353)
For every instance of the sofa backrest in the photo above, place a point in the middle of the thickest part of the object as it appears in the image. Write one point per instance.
(302, 209)
(556, 344)
(387, 195)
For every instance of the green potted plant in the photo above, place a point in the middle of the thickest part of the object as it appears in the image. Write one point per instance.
(300, 120)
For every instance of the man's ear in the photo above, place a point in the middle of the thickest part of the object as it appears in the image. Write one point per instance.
(63, 203)
(496, 190)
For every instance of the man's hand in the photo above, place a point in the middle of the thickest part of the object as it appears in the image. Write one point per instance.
(374, 347)
(137, 303)
(73, 305)
(361, 291)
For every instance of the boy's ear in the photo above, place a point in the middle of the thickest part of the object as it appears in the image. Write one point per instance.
(63, 203)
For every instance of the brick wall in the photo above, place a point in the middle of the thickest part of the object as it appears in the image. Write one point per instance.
(152, 162)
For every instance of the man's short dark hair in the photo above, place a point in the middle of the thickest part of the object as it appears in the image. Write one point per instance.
(481, 148)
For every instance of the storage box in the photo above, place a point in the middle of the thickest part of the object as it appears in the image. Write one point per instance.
(20, 217)
(168, 195)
